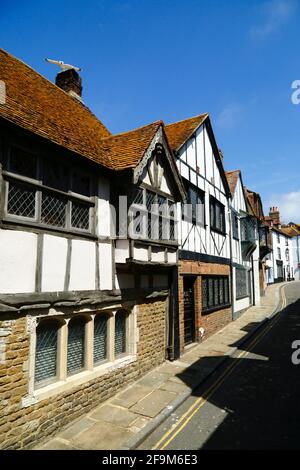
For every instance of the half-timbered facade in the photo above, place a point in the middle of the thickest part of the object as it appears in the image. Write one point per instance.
(88, 254)
(204, 281)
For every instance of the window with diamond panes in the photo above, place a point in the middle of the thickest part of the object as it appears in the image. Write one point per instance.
(46, 352)
(53, 210)
(120, 332)
(80, 215)
(215, 292)
(76, 343)
(53, 207)
(100, 338)
(21, 200)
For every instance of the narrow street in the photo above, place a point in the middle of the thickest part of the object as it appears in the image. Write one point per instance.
(252, 402)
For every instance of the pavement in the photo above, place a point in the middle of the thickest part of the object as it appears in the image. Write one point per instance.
(252, 402)
(127, 419)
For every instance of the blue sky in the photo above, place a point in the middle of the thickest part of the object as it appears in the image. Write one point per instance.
(145, 60)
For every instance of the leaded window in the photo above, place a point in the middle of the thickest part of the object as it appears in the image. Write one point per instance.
(217, 215)
(53, 210)
(235, 225)
(21, 200)
(76, 343)
(241, 282)
(194, 210)
(215, 293)
(120, 332)
(153, 215)
(100, 338)
(46, 352)
(43, 191)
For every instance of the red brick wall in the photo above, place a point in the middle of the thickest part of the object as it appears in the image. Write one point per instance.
(211, 322)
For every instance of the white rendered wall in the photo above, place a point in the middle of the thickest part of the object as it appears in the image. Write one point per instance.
(82, 272)
(17, 261)
(54, 262)
(105, 266)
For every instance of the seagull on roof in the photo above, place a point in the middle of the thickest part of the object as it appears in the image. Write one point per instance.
(62, 65)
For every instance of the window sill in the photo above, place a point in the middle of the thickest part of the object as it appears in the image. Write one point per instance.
(73, 381)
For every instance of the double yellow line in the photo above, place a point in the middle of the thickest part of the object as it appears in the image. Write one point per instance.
(170, 435)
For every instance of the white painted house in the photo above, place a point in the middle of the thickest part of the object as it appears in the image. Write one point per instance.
(244, 248)
(282, 257)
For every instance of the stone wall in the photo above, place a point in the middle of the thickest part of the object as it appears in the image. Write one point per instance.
(213, 321)
(22, 427)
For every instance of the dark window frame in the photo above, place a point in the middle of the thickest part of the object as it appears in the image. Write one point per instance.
(238, 294)
(72, 199)
(208, 284)
(235, 225)
(216, 210)
(195, 213)
(157, 214)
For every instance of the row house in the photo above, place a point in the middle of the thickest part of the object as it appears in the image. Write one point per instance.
(293, 230)
(117, 252)
(281, 259)
(88, 280)
(244, 247)
(203, 231)
(265, 248)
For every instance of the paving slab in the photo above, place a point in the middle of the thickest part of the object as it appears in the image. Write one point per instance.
(102, 437)
(132, 395)
(113, 414)
(174, 387)
(57, 444)
(153, 403)
(76, 428)
(154, 379)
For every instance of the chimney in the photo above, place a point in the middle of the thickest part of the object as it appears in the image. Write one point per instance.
(275, 216)
(70, 81)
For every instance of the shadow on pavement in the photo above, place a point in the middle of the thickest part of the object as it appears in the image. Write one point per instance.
(261, 397)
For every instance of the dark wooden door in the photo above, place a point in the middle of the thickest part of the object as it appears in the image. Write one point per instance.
(189, 310)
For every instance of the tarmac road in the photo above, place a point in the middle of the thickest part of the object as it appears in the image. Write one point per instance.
(253, 402)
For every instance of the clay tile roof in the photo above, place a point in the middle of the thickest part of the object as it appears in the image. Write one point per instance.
(127, 149)
(292, 231)
(180, 131)
(36, 104)
(232, 178)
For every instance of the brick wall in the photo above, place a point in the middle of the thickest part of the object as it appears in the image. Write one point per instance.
(23, 427)
(211, 322)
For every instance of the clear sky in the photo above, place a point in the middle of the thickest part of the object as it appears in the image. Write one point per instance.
(145, 60)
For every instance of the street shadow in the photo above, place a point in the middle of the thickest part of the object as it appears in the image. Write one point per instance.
(253, 399)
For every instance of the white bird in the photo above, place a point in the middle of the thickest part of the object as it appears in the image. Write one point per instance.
(62, 65)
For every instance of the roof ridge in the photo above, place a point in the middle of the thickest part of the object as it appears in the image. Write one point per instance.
(159, 122)
(74, 100)
(187, 119)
